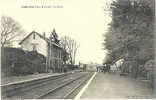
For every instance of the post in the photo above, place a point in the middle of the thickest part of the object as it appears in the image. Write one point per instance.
(52, 56)
(51, 60)
(47, 58)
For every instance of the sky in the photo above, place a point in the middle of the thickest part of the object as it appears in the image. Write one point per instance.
(83, 20)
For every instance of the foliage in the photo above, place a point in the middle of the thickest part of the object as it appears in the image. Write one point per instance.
(15, 61)
(149, 65)
(54, 37)
(71, 67)
(131, 32)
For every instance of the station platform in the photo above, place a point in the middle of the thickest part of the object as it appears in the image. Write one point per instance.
(26, 78)
(114, 86)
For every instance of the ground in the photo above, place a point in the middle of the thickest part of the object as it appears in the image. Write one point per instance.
(18, 79)
(111, 86)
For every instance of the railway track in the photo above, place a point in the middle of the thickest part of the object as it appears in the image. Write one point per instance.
(66, 90)
(13, 89)
(37, 89)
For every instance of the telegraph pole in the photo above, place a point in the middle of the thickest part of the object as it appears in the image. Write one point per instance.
(50, 52)
(52, 57)
(47, 58)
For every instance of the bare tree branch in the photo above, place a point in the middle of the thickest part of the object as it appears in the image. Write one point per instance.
(70, 45)
(10, 31)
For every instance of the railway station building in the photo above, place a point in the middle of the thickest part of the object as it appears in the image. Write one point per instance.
(49, 47)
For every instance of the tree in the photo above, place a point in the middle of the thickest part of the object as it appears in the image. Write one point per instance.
(11, 31)
(71, 46)
(131, 32)
(63, 43)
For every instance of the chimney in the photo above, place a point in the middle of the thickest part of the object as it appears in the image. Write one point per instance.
(44, 35)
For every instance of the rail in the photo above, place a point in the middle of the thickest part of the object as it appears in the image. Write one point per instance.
(46, 85)
(43, 96)
(12, 89)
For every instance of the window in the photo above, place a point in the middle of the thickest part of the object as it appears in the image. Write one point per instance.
(34, 47)
(34, 36)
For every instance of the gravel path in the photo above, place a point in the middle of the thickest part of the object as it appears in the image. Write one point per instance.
(112, 86)
(18, 79)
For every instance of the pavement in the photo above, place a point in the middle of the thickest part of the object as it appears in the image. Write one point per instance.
(114, 86)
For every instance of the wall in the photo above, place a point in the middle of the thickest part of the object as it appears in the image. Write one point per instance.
(41, 44)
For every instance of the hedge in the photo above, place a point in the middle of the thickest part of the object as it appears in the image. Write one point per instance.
(16, 61)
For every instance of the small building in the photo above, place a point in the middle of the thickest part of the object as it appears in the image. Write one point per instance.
(49, 47)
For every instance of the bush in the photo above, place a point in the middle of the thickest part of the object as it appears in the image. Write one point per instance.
(18, 62)
(150, 68)
(71, 67)
(23, 69)
(41, 68)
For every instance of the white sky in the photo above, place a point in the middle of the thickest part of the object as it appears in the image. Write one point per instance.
(84, 20)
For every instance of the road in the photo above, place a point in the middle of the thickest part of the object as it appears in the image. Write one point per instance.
(112, 86)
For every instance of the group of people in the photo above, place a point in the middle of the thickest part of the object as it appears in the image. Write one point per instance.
(105, 68)
(84, 67)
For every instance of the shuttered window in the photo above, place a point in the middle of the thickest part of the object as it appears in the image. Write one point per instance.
(34, 36)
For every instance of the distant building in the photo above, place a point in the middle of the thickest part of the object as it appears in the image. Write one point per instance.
(49, 47)
(116, 66)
